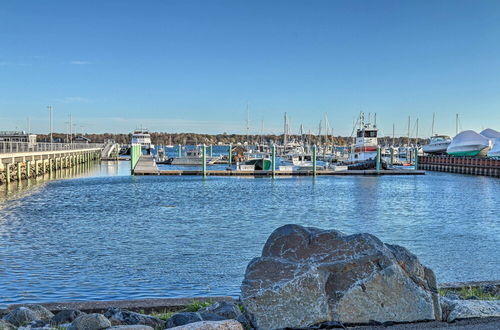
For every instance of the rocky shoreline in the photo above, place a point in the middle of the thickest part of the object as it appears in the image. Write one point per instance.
(306, 278)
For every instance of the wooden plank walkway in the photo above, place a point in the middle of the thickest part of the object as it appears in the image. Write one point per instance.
(146, 166)
(277, 173)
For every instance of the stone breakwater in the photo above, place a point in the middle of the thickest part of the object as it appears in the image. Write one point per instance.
(306, 278)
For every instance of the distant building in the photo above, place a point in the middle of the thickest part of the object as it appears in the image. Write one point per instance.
(81, 139)
(17, 136)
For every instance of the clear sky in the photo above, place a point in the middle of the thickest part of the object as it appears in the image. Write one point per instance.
(193, 66)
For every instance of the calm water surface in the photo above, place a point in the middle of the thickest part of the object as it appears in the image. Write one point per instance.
(107, 235)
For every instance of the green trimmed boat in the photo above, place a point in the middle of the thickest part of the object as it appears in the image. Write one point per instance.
(260, 164)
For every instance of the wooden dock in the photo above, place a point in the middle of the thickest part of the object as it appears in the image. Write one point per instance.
(144, 171)
(461, 165)
(146, 165)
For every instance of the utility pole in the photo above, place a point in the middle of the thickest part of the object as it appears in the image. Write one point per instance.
(70, 130)
(49, 108)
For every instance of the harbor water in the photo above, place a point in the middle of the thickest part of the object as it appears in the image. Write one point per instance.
(107, 235)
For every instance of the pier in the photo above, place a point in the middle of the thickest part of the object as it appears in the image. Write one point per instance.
(461, 165)
(24, 160)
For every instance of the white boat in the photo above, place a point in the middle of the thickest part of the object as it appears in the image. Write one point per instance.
(142, 137)
(495, 150)
(437, 145)
(192, 157)
(490, 134)
(366, 144)
(468, 144)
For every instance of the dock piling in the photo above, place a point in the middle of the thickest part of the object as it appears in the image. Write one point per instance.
(377, 164)
(230, 154)
(273, 160)
(179, 151)
(314, 160)
(204, 160)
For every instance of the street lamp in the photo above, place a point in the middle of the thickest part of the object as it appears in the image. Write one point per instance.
(49, 108)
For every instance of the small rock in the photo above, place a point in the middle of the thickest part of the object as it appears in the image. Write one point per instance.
(90, 322)
(4, 325)
(43, 313)
(21, 316)
(65, 316)
(466, 309)
(132, 327)
(36, 325)
(244, 321)
(183, 318)
(225, 309)
(212, 325)
(472, 298)
(491, 289)
(131, 318)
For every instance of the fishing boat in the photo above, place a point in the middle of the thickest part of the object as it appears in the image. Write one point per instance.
(142, 137)
(364, 152)
(259, 164)
(468, 144)
(438, 144)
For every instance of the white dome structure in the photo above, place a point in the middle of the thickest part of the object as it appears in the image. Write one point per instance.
(468, 144)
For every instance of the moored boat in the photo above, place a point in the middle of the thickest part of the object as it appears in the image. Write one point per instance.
(468, 144)
(438, 144)
(142, 137)
(495, 150)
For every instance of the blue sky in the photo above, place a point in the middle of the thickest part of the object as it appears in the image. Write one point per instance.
(193, 66)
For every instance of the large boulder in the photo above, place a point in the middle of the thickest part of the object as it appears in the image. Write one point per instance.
(466, 309)
(306, 276)
(211, 325)
(126, 317)
(90, 322)
(21, 316)
(43, 313)
(65, 316)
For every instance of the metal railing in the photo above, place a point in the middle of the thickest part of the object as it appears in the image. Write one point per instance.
(14, 147)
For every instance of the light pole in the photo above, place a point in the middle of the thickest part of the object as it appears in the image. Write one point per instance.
(50, 121)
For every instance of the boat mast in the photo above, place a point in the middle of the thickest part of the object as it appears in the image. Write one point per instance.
(248, 123)
(285, 130)
(456, 124)
(416, 135)
(433, 117)
(408, 140)
(393, 134)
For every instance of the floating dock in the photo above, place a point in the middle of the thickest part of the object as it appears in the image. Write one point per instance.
(142, 171)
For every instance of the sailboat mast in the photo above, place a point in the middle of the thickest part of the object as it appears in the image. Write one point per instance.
(285, 131)
(393, 127)
(416, 135)
(456, 125)
(248, 123)
(433, 118)
(408, 140)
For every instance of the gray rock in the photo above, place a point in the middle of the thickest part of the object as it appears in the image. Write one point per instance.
(4, 325)
(206, 316)
(306, 276)
(131, 318)
(212, 325)
(132, 327)
(43, 313)
(491, 289)
(244, 321)
(65, 316)
(225, 309)
(452, 295)
(21, 316)
(36, 325)
(465, 309)
(90, 322)
(183, 318)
